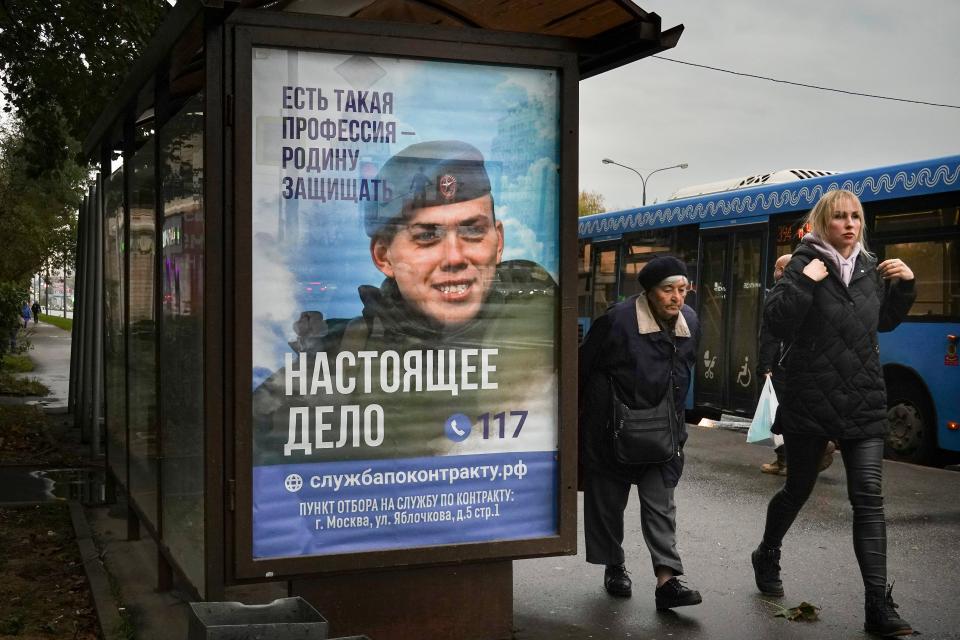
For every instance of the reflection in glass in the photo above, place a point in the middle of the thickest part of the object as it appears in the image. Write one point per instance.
(113, 340)
(181, 339)
(143, 336)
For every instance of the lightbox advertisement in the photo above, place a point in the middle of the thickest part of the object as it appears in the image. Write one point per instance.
(405, 304)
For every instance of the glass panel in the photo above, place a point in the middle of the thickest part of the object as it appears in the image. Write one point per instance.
(143, 336)
(918, 220)
(713, 310)
(936, 266)
(605, 279)
(115, 369)
(744, 328)
(181, 338)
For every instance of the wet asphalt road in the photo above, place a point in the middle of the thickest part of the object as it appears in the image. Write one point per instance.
(721, 502)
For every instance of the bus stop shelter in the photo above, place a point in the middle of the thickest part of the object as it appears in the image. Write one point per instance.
(327, 292)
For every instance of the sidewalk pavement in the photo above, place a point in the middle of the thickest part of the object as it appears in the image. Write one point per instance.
(50, 352)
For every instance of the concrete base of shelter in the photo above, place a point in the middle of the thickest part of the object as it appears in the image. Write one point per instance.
(460, 601)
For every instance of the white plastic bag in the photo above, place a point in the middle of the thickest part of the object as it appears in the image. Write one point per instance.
(764, 416)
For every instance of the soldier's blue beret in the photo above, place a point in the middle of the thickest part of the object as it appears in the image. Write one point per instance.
(426, 174)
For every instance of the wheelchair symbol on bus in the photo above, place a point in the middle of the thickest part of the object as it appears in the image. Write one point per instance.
(708, 365)
(744, 377)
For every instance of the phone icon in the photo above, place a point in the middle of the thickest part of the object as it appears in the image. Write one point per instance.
(458, 427)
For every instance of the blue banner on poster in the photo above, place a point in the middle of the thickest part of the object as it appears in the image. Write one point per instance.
(344, 507)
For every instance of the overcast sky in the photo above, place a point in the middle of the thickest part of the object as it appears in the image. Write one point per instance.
(654, 113)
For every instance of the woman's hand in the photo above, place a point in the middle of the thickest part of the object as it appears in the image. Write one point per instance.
(816, 270)
(894, 268)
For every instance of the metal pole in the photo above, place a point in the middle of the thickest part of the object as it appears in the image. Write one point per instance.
(64, 284)
(98, 317)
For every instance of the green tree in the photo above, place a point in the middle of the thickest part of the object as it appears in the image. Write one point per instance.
(61, 60)
(590, 202)
(37, 213)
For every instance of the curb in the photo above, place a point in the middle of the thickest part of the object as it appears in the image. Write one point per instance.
(108, 614)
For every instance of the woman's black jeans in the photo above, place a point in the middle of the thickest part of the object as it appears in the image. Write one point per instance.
(863, 460)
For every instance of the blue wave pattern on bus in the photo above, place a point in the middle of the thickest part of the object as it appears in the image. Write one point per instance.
(911, 179)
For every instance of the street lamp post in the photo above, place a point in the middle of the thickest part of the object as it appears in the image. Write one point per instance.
(643, 179)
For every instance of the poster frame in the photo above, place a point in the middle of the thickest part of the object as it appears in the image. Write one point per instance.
(326, 34)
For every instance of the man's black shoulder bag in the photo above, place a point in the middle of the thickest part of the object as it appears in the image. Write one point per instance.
(644, 436)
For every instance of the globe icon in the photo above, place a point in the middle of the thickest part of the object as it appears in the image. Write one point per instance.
(293, 483)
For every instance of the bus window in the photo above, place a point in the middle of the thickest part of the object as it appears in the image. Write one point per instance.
(936, 266)
(583, 280)
(604, 278)
(637, 252)
(918, 220)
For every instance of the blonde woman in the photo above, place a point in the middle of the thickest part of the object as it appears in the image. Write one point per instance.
(829, 306)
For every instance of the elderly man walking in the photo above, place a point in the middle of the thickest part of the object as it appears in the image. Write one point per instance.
(641, 353)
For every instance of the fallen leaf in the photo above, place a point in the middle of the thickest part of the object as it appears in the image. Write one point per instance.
(803, 612)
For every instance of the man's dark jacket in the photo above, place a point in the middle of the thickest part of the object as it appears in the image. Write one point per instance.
(834, 382)
(639, 364)
(769, 352)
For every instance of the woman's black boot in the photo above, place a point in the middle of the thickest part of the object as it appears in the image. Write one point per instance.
(766, 570)
(882, 618)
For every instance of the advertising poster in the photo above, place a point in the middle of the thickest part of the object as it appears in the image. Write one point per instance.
(405, 303)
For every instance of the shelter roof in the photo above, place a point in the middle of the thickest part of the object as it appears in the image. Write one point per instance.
(605, 34)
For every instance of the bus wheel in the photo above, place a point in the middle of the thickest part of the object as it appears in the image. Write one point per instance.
(911, 437)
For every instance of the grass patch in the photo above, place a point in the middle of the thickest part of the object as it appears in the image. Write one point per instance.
(24, 440)
(11, 385)
(58, 321)
(43, 587)
(16, 363)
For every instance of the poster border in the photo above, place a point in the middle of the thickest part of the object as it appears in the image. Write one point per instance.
(383, 40)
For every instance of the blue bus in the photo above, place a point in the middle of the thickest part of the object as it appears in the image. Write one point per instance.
(730, 240)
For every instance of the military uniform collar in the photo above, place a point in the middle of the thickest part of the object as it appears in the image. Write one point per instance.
(647, 323)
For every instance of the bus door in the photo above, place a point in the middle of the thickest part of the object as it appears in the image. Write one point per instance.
(729, 295)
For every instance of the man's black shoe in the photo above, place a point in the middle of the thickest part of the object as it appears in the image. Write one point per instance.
(674, 593)
(617, 582)
(766, 571)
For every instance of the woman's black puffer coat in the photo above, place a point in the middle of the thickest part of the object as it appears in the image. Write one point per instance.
(834, 383)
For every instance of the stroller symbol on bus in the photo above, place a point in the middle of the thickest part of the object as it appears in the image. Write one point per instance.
(708, 365)
(743, 376)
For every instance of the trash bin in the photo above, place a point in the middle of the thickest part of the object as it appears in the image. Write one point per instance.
(282, 619)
